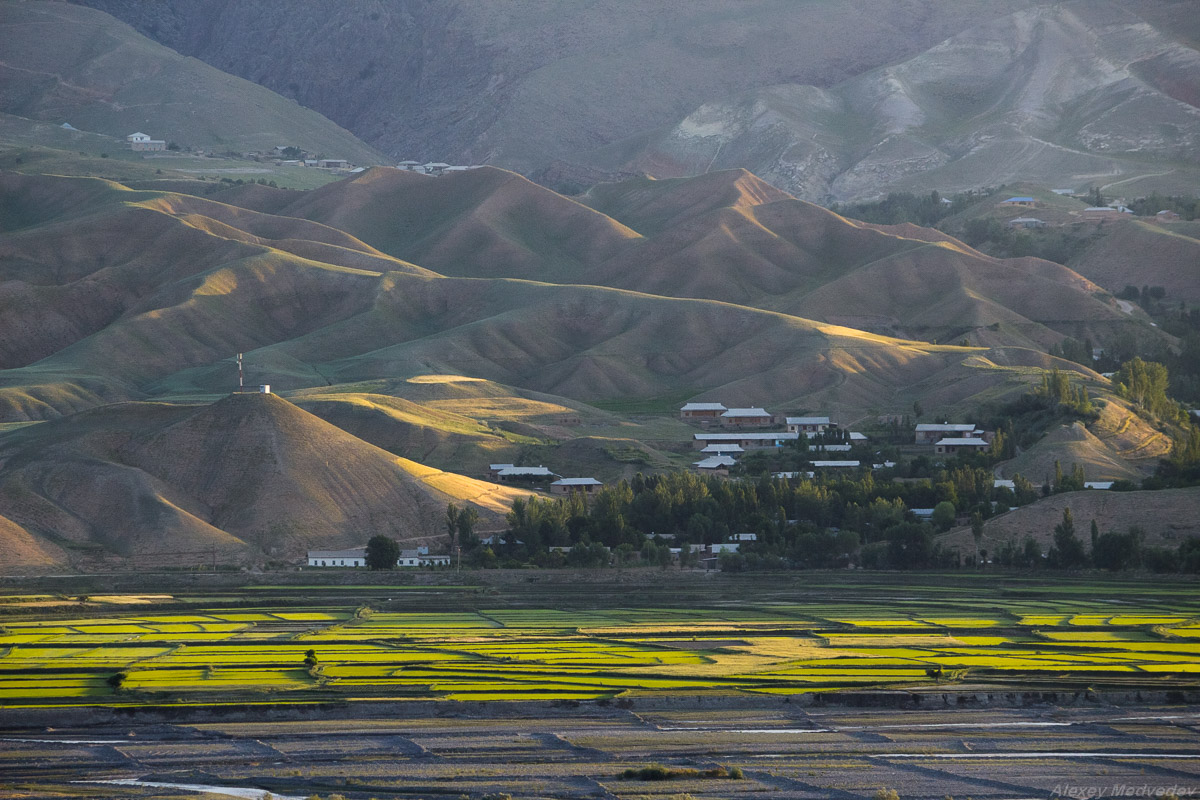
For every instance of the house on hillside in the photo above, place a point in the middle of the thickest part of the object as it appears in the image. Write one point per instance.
(953, 446)
(141, 142)
(1166, 215)
(701, 411)
(747, 441)
(1105, 212)
(932, 432)
(746, 418)
(1025, 223)
(1024, 202)
(808, 425)
(715, 465)
(510, 473)
(723, 450)
(575, 486)
(333, 163)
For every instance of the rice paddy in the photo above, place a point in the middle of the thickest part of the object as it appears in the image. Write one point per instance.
(335, 648)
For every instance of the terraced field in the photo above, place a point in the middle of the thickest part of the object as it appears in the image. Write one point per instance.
(213, 650)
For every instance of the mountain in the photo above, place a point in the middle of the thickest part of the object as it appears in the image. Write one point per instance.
(250, 475)
(1068, 94)
(827, 100)
(65, 63)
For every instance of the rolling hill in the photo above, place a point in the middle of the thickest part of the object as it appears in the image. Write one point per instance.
(528, 315)
(249, 476)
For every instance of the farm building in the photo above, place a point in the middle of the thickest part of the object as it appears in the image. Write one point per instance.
(746, 417)
(715, 465)
(949, 447)
(509, 473)
(573, 485)
(1024, 202)
(354, 557)
(701, 411)
(141, 142)
(836, 464)
(1026, 222)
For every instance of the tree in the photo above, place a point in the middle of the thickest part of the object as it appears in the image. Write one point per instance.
(1067, 551)
(943, 515)
(467, 517)
(452, 520)
(977, 531)
(382, 552)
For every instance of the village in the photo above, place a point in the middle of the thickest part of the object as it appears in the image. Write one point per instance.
(726, 434)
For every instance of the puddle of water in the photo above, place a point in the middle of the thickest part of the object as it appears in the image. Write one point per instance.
(231, 791)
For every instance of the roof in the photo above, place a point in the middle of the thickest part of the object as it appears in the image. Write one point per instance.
(945, 426)
(498, 467)
(855, 436)
(739, 437)
(513, 471)
(832, 448)
(354, 552)
(1000, 483)
(1024, 219)
(808, 421)
(1098, 484)
(1019, 200)
(716, 462)
(964, 442)
(723, 448)
(703, 407)
(577, 482)
(836, 463)
(746, 412)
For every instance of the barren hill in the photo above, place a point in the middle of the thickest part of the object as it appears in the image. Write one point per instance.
(251, 476)
(65, 63)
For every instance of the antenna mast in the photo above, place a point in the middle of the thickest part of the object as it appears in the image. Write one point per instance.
(241, 377)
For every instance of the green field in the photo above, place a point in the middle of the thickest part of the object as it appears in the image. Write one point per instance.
(241, 646)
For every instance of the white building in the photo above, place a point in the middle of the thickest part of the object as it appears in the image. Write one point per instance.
(931, 432)
(809, 424)
(141, 142)
(354, 557)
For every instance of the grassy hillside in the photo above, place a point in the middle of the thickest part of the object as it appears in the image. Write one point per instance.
(67, 63)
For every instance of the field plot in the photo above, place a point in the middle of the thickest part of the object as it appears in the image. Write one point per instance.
(541, 751)
(313, 643)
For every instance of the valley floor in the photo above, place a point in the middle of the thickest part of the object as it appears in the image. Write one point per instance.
(785, 751)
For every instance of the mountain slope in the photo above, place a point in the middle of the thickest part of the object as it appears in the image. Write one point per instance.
(66, 63)
(1062, 94)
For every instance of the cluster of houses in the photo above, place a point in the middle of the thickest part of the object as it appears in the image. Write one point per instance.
(357, 557)
(721, 449)
(513, 472)
(1114, 210)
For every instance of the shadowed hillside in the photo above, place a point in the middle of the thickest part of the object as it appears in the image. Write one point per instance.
(251, 476)
(66, 63)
